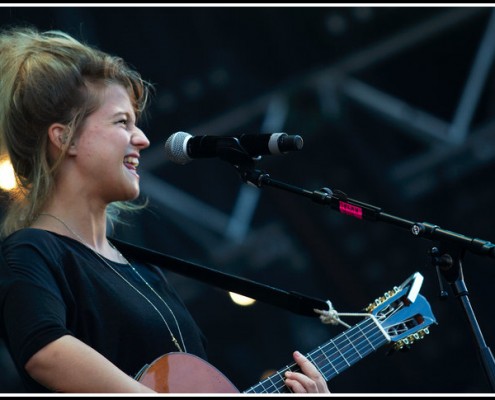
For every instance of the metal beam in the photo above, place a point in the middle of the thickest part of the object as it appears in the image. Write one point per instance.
(474, 85)
(416, 175)
(422, 125)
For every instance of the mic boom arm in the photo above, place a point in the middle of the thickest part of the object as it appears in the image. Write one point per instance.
(339, 201)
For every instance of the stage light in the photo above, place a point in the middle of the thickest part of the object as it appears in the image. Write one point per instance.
(241, 300)
(7, 176)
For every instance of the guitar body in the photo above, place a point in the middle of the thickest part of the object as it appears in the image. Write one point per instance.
(184, 373)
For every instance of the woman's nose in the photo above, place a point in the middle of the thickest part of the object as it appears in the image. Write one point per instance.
(139, 139)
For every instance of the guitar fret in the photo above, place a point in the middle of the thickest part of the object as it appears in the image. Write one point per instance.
(261, 388)
(354, 347)
(255, 389)
(282, 388)
(337, 357)
(277, 384)
(358, 335)
(362, 334)
(366, 349)
(329, 361)
(342, 355)
(270, 385)
(342, 347)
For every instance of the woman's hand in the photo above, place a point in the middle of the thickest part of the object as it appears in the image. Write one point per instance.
(309, 380)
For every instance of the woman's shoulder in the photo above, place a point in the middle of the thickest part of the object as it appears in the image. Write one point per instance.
(40, 240)
(28, 232)
(29, 235)
(28, 247)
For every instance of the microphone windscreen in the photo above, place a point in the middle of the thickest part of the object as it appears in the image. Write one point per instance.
(176, 148)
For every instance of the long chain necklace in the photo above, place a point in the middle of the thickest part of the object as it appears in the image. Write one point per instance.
(174, 340)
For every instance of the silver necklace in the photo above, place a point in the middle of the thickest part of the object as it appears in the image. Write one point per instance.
(174, 340)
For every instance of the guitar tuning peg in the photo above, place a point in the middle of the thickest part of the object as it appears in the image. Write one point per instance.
(402, 347)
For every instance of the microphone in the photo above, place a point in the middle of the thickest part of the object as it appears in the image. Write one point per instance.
(181, 147)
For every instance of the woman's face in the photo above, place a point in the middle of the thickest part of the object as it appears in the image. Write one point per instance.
(108, 148)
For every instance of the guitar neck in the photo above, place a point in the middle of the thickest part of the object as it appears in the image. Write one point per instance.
(332, 357)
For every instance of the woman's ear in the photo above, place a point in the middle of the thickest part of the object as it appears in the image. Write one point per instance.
(58, 134)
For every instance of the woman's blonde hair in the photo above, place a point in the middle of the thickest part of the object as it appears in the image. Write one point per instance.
(48, 77)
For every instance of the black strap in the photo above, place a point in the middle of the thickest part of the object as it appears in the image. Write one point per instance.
(291, 301)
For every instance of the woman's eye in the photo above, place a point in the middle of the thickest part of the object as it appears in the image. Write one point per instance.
(122, 121)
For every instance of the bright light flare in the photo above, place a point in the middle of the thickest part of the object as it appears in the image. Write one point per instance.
(7, 176)
(241, 300)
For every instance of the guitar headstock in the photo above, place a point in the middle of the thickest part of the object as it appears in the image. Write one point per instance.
(403, 313)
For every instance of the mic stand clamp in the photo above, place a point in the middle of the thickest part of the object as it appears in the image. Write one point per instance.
(440, 261)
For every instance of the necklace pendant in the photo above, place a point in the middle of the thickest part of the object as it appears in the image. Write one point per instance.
(176, 343)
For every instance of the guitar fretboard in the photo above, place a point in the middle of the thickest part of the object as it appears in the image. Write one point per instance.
(331, 358)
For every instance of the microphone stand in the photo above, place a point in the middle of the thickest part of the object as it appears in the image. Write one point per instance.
(450, 266)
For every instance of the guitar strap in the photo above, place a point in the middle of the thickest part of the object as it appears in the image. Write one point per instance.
(292, 301)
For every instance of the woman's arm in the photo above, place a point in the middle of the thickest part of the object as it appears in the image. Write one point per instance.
(70, 366)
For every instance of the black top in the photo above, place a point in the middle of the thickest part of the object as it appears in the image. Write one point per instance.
(53, 285)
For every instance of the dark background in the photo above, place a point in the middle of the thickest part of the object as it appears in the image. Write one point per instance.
(395, 106)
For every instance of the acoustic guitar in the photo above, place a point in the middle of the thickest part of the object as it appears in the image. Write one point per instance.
(398, 318)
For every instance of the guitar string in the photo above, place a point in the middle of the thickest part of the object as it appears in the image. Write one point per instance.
(344, 359)
(360, 329)
(270, 381)
(342, 339)
(339, 340)
(174, 340)
(344, 336)
(281, 380)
